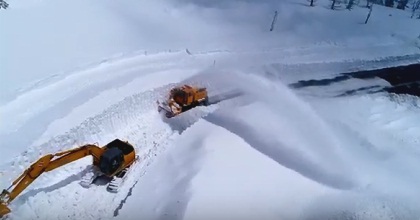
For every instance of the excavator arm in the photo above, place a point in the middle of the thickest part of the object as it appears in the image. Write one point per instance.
(44, 164)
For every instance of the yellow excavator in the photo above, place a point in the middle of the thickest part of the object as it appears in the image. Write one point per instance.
(182, 99)
(112, 160)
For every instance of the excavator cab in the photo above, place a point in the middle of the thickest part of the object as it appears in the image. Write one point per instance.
(179, 96)
(114, 156)
(110, 161)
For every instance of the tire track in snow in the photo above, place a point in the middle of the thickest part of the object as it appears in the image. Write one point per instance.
(130, 192)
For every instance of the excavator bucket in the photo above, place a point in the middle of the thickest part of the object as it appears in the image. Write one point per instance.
(4, 210)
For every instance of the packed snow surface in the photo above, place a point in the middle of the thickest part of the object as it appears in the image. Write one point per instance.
(262, 150)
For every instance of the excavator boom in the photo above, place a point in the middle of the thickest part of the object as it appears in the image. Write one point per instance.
(46, 163)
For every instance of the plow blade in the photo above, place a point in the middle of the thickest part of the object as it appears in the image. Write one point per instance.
(4, 210)
(163, 107)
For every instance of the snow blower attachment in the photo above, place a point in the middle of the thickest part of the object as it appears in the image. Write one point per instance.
(182, 99)
(112, 160)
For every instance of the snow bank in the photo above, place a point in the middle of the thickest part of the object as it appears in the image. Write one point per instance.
(164, 191)
(238, 182)
(387, 136)
(380, 139)
(70, 100)
(44, 39)
(209, 172)
(361, 206)
(278, 123)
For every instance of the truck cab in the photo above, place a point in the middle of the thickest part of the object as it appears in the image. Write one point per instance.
(187, 95)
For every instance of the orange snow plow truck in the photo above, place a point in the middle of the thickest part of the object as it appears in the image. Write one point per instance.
(182, 99)
(112, 160)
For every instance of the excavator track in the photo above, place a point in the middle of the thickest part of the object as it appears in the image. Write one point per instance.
(90, 177)
(114, 184)
(119, 179)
